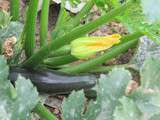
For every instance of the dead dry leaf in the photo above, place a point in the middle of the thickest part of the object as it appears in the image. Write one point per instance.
(8, 47)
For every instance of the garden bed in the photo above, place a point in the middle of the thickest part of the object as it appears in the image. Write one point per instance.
(97, 63)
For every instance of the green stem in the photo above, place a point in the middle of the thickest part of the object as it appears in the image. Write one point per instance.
(63, 18)
(44, 22)
(62, 60)
(105, 69)
(15, 5)
(44, 113)
(37, 58)
(30, 27)
(66, 49)
(113, 52)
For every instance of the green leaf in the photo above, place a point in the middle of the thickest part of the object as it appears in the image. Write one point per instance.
(148, 101)
(111, 102)
(150, 74)
(26, 100)
(133, 16)
(13, 29)
(107, 4)
(3, 75)
(72, 107)
(127, 110)
(15, 103)
(147, 97)
(134, 19)
(93, 110)
(109, 90)
(155, 117)
(151, 9)
(4, 19)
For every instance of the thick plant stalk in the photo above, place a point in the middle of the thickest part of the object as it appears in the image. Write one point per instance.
(44, 113)
(30, 28)
(61, 51)
(44, 22)
(15, 6)
(113, 52)
(38, 57)
(61, 60)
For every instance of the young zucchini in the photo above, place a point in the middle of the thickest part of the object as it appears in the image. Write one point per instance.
(49, 81)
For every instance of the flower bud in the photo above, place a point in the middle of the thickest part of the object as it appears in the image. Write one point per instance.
(86, 47)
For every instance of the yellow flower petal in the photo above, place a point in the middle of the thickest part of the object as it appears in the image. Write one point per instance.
(88, 46)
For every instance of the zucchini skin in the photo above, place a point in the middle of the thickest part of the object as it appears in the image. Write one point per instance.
(49, 81)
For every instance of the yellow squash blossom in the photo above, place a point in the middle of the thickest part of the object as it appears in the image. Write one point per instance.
(86, 47)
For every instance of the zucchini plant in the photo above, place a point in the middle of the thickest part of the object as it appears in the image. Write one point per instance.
(54, 55)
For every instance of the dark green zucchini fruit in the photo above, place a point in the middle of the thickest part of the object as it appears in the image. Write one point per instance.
(49, 81)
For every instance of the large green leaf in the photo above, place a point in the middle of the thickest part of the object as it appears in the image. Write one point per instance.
(148, 101)
(151, 9)
(109, 90)
(144, 103)
(150, 74)
(147, 97)
(73, 106)
(127, 110)
(112, 104)
(155, 117)
(15, 103)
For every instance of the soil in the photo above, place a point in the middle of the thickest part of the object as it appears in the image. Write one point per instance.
(53, 102)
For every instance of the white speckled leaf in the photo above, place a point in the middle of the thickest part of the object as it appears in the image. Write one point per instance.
(112, 87)
(127, 110)
(150, 74)
(15, 103)
(147, 101)
(111, 102)
(151, 9)
(72, 107)
(155, 117)
(147, 97)
(13, 29)
(109, 90)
